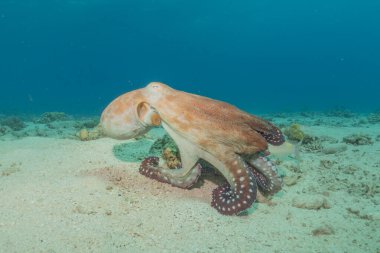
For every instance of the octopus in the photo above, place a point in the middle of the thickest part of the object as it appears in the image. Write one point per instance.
(233, 141)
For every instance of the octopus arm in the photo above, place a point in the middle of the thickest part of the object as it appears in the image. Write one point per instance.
(182, 178)
(271, 133)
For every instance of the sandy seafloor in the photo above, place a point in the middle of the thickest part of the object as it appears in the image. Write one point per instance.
(64, 195)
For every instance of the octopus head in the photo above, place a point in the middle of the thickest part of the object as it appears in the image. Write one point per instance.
(129, 116)
(156, 91)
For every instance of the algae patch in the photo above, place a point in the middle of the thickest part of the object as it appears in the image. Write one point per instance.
(294, 133)
(135, 151)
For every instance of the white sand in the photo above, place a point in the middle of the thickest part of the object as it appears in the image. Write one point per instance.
(62, 195)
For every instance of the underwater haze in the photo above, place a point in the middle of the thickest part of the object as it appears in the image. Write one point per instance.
(89, 162)
(263, 56)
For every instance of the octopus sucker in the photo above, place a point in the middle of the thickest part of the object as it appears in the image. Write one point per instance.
(150, 168)
(233, 141)
(273, 135)
(229, 200)
(265, 173)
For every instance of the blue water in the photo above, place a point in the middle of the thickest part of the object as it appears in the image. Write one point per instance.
(263, 56)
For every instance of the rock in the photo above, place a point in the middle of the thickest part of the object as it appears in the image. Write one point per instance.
(358, 139)
(49, 117)
(14, 123)
(311, 202)
(333, 149)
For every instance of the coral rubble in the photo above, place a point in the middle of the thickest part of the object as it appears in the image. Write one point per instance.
(14, 123)
(49, 117)
(358, 139)
(341, 112)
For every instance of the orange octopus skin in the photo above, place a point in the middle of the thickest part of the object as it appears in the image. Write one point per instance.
(232, 140)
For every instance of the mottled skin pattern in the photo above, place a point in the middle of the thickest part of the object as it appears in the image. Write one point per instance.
(231, 140)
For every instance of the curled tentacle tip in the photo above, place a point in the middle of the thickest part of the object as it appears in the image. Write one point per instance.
(232, 202)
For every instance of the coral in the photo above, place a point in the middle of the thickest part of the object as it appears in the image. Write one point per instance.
(87, 135)
(308, 143)
(166, 148)
(294, 133)
(49, 117)
(358, 139)
(83, 134)
(14, 123)
(171, 159)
